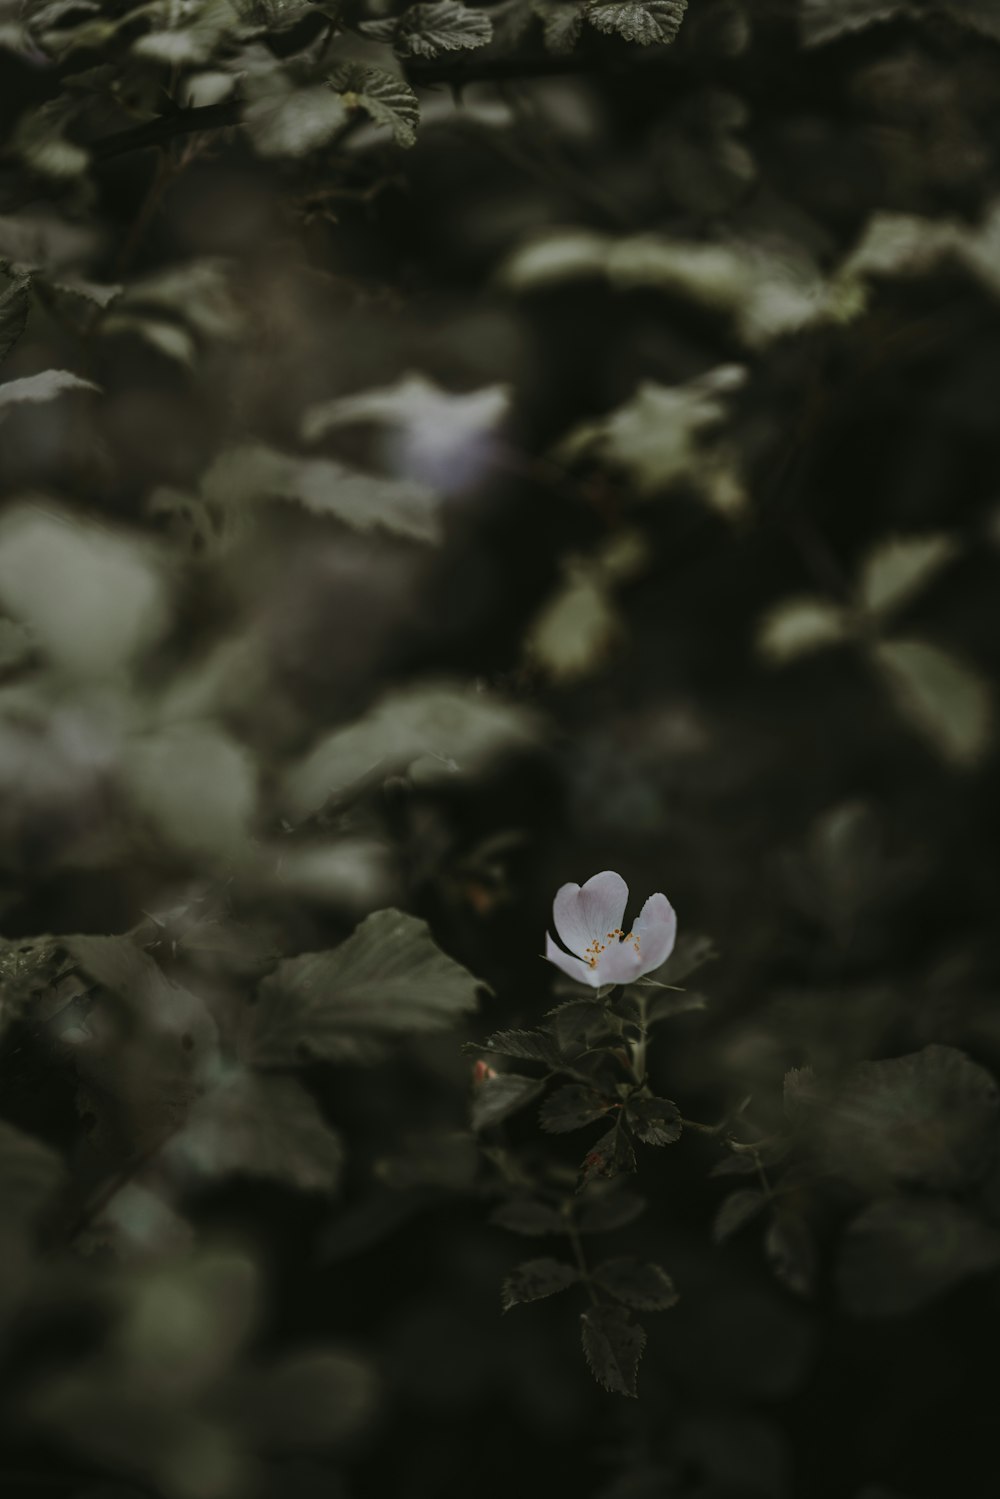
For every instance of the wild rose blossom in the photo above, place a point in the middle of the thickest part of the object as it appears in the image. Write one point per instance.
(589, 920)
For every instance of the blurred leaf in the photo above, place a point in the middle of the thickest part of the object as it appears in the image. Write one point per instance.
(940, 695)
(309, 1400)
(645, 21)
(605, 1206)
(30, 1173)
(197, 787)
(656, 1121)
(576, 629)
(526, 1215)
(798, 626)
(283, 119)
(184, 36)
(897, 569)
(646, 1287)
(428, 29)
(14, 303)
(736, 1210)
(460, 729)
(571, 1107)
(536, 1279)
(259, 1125)
(612, 1345)
(388, 977)
(827, 20)
(791, 1252)
(91, 596)
(928, 1118)
(903, 1251)
(387, 99)
(497, 1097)
(562, 23)
(44, 387)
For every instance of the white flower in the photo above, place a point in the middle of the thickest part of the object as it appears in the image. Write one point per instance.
(588, 919)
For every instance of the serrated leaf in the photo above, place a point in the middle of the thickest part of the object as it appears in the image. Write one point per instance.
(612, 1345)
(14, 304)
(648, 22)
(389, 977)
(452, 727)
(895, 570)
(578, 1020)
(497, 1097)
(386, 98)
(902, 1252)
(603, 1207)
(43, 387)
(638, 1284)
(526, 1046)
(736, 1210)
(562, 24)
(537, 1279)
(612, 1155)
(425, 30)
(656, 1121)
(571, 1107)
(256, 1125)
(526, 1215)
(284, 120)
(943, 697)
(927, 1119)
(798, 626)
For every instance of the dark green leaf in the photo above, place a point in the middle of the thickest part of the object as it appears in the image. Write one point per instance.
(536, 1279)
(526, 1215)
(14, 303)
(612, 1155)
(388, 977)
(735, 1210)
(387, 99)
(638, 1284)
(427, 29)
(578, 1020)
(791, 1252)
(612, 1345)
(527, 1046)
(605, 1206)
(648, 22)
(799, 1090)
(656, 1121)
(902, 1252)
(571, 1107)
(30, 1172)
(44, 387)
(497, 1097)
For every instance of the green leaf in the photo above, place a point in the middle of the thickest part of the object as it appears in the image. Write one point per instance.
(648, 22)
(897, 569)
(30, 1174)
(902, 1252)
(612, 1155)
(577, 1021)
(940, 695)
(646, 1287)
(791, 1253)
(571, 1107)
(196, 786)
(736, 1210)
(44, 387)
(534, 1280)
(388, 978)
(285, 120)
(656, 1121)
(14, 304)
(452, 728)
(256, 1125)
(426, 30)
(798, 626)
(495, 1098)
(604, 1206)
(187, 35)
(612, 1346)
(577, 628)
(307, 1402)
(526, 1215)
(254, 473)
(386, 98)
(562, 24)
(925, 1119)
(526, 1046)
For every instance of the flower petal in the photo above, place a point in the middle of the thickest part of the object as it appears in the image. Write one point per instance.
(587, 913)
(656, 930)
(576, 968)
(619, 964)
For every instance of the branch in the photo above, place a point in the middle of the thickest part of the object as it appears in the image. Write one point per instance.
(157, 132)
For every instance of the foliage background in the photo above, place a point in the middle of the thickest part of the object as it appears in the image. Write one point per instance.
(444, 455)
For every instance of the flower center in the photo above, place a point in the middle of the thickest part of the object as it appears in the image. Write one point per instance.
(593, 952)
